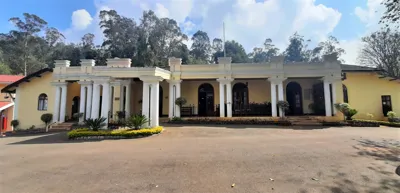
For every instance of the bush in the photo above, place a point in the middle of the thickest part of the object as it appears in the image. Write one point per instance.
(77, 116)
(347, 111)
(363, 123)
(121, 115)
(366, 122)
(176, 119)
(284, 105)
(120, 133)
(95, 124)
(137, 121)
(46, 118)
(391, 116)
(15, 123)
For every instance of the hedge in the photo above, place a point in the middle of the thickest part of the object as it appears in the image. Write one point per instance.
(385, 123)
(228, 121)
(112, 134)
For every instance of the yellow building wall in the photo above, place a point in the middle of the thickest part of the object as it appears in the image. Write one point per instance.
(29, 92)
(365, 91)
(73, 90)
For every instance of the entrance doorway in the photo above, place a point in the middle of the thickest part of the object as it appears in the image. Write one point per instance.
(160, 103)
(294, 98)
(75, 106)
(206, 100)
(240, 97)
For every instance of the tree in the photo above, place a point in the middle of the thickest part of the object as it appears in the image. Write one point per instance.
(392, 13)
(264, 54)
(201, 47)
(382, 50)
(88, 49)
(28, 29)
(53, 36)
(234, 50)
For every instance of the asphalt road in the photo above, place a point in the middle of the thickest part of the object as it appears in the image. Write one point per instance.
(207, 159)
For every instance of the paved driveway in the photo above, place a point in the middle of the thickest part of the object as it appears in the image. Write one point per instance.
(207, 159)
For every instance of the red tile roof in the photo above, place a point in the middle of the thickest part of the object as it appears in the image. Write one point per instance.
(3, 104)
(10, 78)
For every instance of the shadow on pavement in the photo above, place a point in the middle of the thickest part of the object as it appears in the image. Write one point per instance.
(55, 138)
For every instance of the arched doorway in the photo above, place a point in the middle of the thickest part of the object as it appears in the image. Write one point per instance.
(294, 98)
(160, 103)
(240, 97)
(206, 99)
(75, 106)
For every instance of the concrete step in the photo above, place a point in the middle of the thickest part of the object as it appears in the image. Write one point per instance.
(62, 126)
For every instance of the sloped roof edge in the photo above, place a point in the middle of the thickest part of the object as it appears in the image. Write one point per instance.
(9, 88)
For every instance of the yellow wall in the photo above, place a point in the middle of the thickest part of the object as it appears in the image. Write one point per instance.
(29, 92)
(365, 91)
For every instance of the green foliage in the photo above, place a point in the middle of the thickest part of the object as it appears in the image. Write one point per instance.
(180, 101)
(284, 105)
(347, 111)
(392, 12)
(176, 119)
(264, 54)
(201, 46)
(46, 118)
(119, 133)
(391, 114)
(15, 123)
(385, 123)
(235, 50)
(137, 121)
(121, 115)
(95, 124)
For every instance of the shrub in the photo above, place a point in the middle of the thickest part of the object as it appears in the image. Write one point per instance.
(15, 123)
(95, 124)
(180, 101)
(46, 118)
(137, 121)
(284, 105)
(176, 119)
(347, 111)
(363, 123)
(391, 116)
(77, 116)
(385, 123)
(119, 133)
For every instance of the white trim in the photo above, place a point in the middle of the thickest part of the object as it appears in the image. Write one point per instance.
(7, 106)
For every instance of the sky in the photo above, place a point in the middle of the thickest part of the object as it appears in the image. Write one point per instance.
(249, 22)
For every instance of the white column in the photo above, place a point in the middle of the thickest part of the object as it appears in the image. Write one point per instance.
(121, 97)
(95, 101)
(280, 96)
(229, 99)
(273, 100)
(56, 111)
(327, 96)
(154, 109)
(63, 104)
(89, 99)
(82, 103)
(171, 99)
(145, 101)
(128, 100)
(105, 101)
(177, 95)
(334, 97)
(221, 99)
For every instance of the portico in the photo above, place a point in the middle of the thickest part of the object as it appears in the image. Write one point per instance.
(223, 89)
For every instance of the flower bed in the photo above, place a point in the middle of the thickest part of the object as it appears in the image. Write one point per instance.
(112, 134)
(228, 121)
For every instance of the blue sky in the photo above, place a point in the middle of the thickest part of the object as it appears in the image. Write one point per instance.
(248, 21)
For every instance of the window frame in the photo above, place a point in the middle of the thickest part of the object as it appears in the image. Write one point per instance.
(345, 93)
(42, 102)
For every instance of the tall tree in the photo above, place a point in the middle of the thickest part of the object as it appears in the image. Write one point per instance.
(234, 50)
(88, 48)
(392, 13)
(295, 52)
(201, 47)
(382, 50)
(28, 30)
(264, 54)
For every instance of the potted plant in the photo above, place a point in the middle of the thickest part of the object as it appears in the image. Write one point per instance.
(347, 111)
(47, 118)
(180, 101)
(15, 124)
(283, 106)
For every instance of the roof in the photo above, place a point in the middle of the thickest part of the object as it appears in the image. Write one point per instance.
(11, 87)
(5, 105)
(9, 78)
(356, 68)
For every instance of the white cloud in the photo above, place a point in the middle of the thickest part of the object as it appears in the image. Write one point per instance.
(161, 11)
(81, 19)
(352, 48)
(371, 14)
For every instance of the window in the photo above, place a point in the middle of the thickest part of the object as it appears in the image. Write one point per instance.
(386, 104)
(240, 96)
(42, 102)
(345, 94)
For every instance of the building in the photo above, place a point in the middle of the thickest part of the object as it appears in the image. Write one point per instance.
(7, 103)
(251, 89)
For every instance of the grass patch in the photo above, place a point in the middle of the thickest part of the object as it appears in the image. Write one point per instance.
(112, 134)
